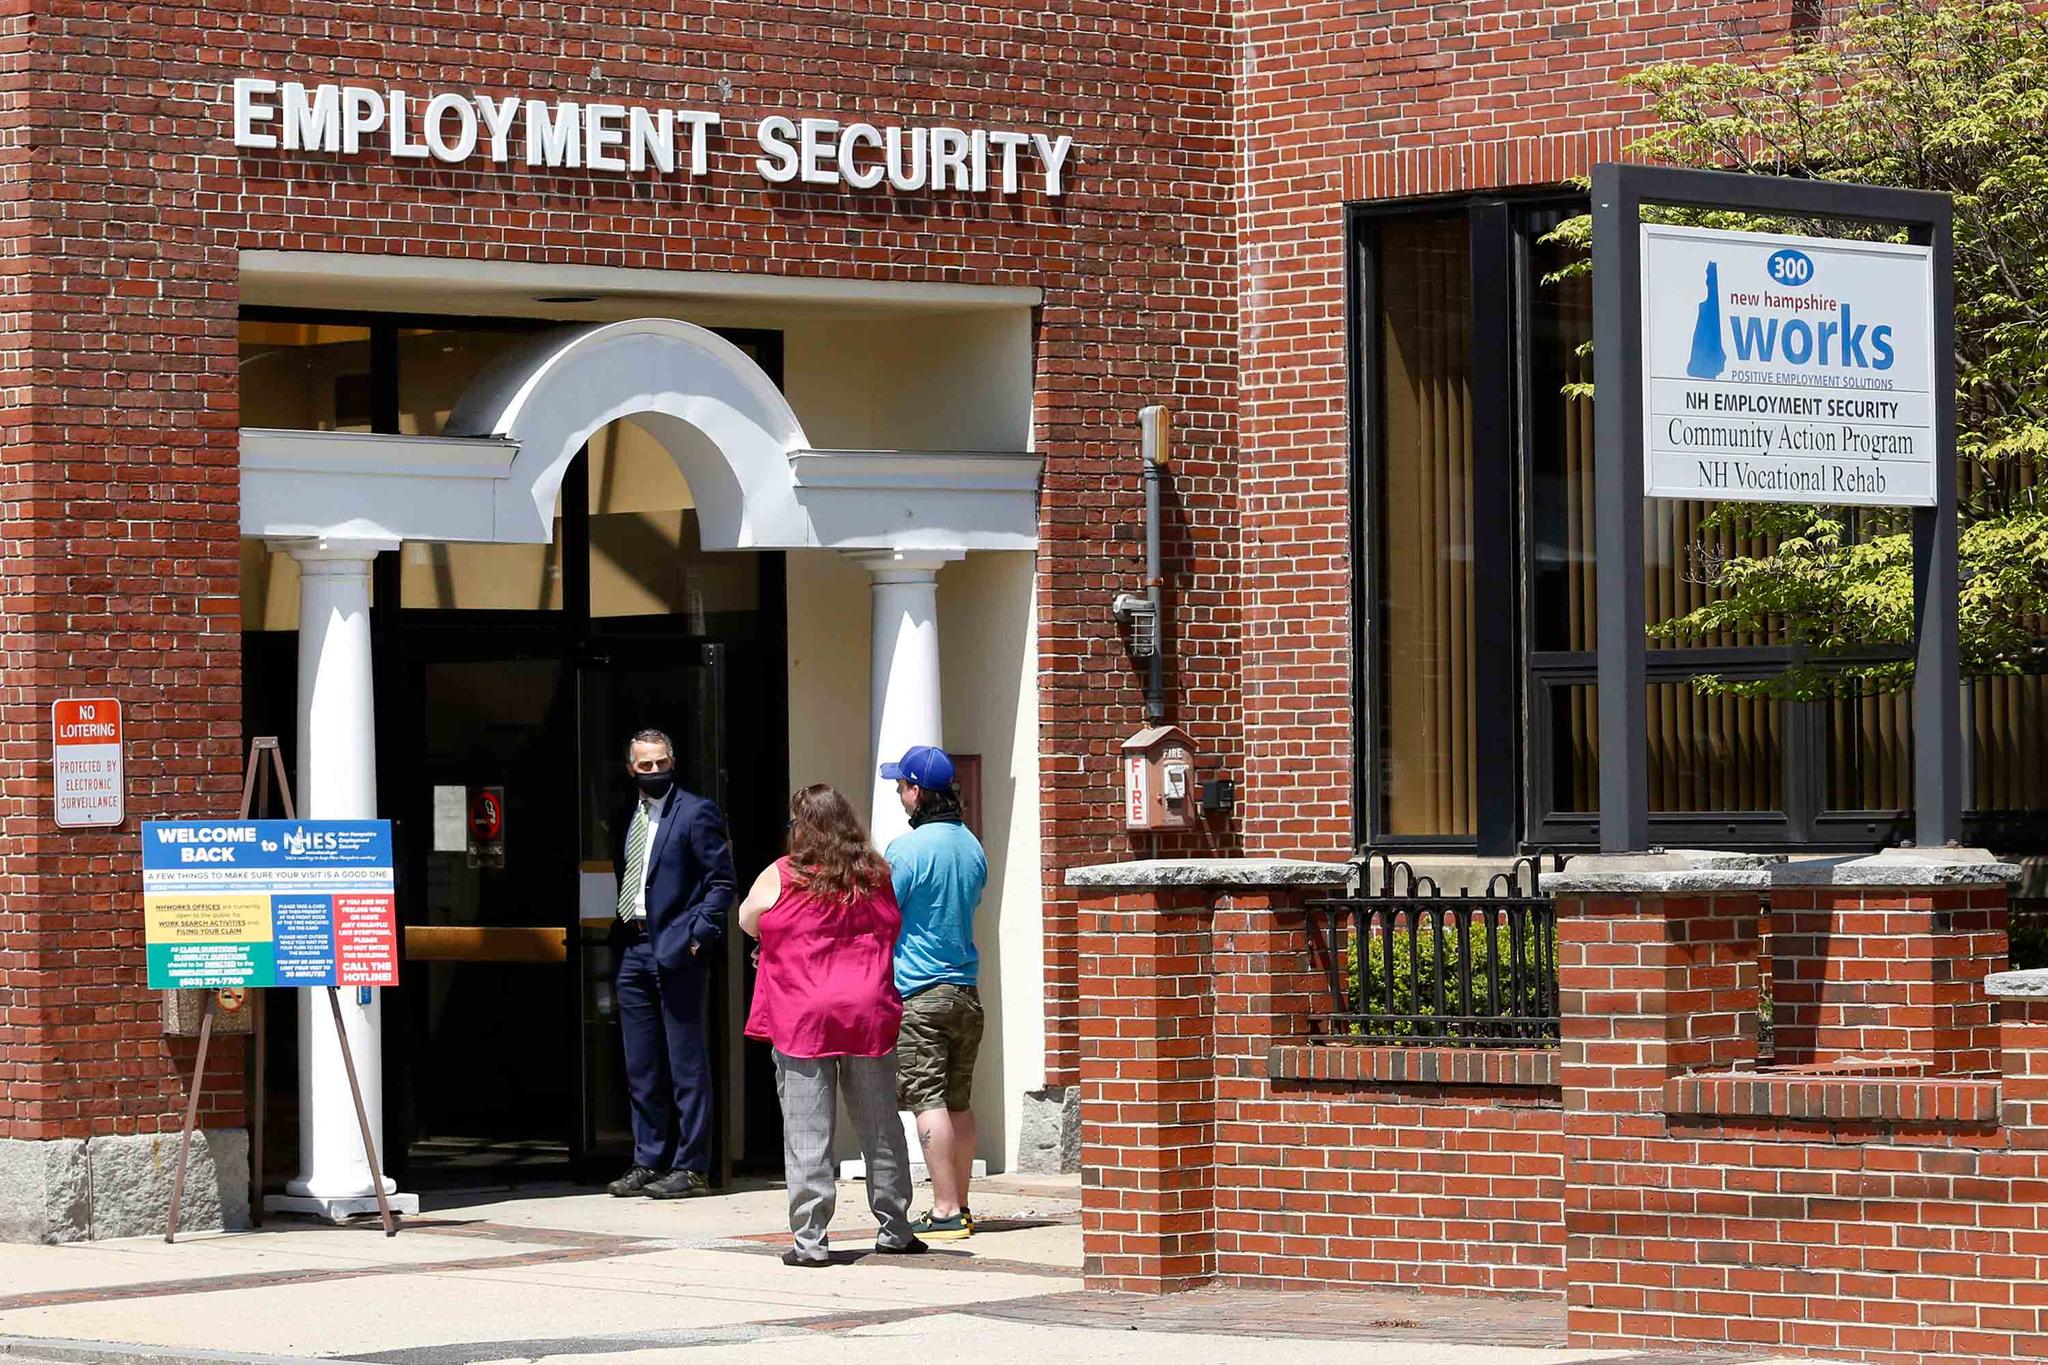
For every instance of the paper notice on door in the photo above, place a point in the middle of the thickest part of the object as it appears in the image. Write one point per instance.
(451, 810)
(597, 895)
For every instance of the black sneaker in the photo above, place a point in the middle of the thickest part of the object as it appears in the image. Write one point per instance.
(795, 1257)
(633, 1182)
(678, 1184)
(916, 1246)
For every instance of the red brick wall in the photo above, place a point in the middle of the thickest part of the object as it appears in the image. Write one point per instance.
(117, 496)
(23, 1035)
(116, 482)
(1863, 972)
(1382, 101)
(117, 563)
(1216, 1146)
(1648, 1171)
(20, 1033)
(1850, 1213)
(1148, 1090)
(1444, 1184)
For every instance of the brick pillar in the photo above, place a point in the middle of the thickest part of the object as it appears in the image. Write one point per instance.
(1183, 988)
(2021, 1001)
(1657, 977)
(1147, 1090)
(1868, 966)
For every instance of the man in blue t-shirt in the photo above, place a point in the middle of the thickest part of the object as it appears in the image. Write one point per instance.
(939, 871)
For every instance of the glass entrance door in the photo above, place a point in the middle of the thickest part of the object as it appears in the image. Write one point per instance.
(507, 778)
(503, 675)
(489, 807)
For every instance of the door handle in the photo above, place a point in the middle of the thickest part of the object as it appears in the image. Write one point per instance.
(485, 943)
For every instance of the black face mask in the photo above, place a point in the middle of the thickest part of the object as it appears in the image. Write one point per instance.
(655, 785)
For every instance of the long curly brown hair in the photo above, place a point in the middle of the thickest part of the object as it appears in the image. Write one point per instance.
(829, 852)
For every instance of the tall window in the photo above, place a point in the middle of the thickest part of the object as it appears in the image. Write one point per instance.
(1477, 509)
(1706, 754)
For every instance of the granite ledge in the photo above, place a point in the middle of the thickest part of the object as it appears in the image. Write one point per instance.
(1222, 872)
(1693, 872)
(1900, 867)
(2030, 985)
(1677, 872)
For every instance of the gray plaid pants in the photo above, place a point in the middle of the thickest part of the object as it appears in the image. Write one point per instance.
(807, 1087)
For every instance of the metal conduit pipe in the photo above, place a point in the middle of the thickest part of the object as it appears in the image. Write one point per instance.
(1146, 616)
(1153, 433)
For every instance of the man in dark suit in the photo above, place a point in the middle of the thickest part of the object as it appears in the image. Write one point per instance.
(675, 887)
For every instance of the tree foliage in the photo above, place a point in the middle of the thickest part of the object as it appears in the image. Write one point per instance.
(1948, 95)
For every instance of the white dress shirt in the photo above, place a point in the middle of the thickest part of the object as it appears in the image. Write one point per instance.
(653, 809)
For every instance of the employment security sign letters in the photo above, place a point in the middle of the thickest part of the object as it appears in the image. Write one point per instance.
(268, 903)
(1787, 369)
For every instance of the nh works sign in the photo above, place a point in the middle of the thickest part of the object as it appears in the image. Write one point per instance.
(1787, 369)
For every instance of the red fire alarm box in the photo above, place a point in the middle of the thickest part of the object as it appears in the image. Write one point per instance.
(1160, 790)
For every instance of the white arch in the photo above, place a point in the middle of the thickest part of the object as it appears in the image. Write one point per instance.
(723, 422)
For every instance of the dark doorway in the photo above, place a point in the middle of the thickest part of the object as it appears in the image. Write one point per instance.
(504, 1061)
(509, 678)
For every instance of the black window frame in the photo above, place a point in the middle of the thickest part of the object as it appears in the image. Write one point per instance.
(1512, 712)
(1499, 721)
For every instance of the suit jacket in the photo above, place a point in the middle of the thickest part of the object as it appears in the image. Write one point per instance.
(690, 879)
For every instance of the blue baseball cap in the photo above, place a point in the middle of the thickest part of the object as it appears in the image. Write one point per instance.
(922, 765)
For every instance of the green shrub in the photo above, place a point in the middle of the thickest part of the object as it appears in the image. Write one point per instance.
(1418, 968)
(2027, 931)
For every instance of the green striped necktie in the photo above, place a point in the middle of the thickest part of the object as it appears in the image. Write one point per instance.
(636, 863)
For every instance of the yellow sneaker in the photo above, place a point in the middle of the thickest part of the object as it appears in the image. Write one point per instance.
(936, 1229)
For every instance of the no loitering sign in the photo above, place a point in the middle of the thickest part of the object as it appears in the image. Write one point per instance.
(87, 775)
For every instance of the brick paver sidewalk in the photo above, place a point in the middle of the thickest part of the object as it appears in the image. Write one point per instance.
(583, 1276)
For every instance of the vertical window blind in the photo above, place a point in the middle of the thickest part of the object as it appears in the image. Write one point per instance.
(1425, 619)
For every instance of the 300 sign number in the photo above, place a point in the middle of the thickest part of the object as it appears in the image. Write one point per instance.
(1790, 267)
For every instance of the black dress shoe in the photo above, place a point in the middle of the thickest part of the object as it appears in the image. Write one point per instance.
(916, 1246)
(795, 1257)
(633, 1182)
(678, 1184)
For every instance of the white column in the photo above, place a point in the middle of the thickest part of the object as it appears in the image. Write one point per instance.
(337, 780)
(903, 708)
(903, 671)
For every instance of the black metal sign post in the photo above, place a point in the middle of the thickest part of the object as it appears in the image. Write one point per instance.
(259, 784)
(1619, 193)
(256, 789)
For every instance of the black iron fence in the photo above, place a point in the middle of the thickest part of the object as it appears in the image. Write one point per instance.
(1409, 964)
(2027, 931)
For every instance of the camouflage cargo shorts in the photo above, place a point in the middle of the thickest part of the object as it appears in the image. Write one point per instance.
(935, 1051)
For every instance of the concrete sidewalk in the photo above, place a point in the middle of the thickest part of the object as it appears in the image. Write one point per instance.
(565, 1274)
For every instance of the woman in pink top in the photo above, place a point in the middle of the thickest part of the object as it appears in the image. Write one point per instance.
(825, 997)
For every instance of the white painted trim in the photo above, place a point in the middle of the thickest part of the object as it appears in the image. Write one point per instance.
(274, 274)
(350, 486)
(943, 471)
(757, 482)
(356, 452)
(720, 418)
(939, 501)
